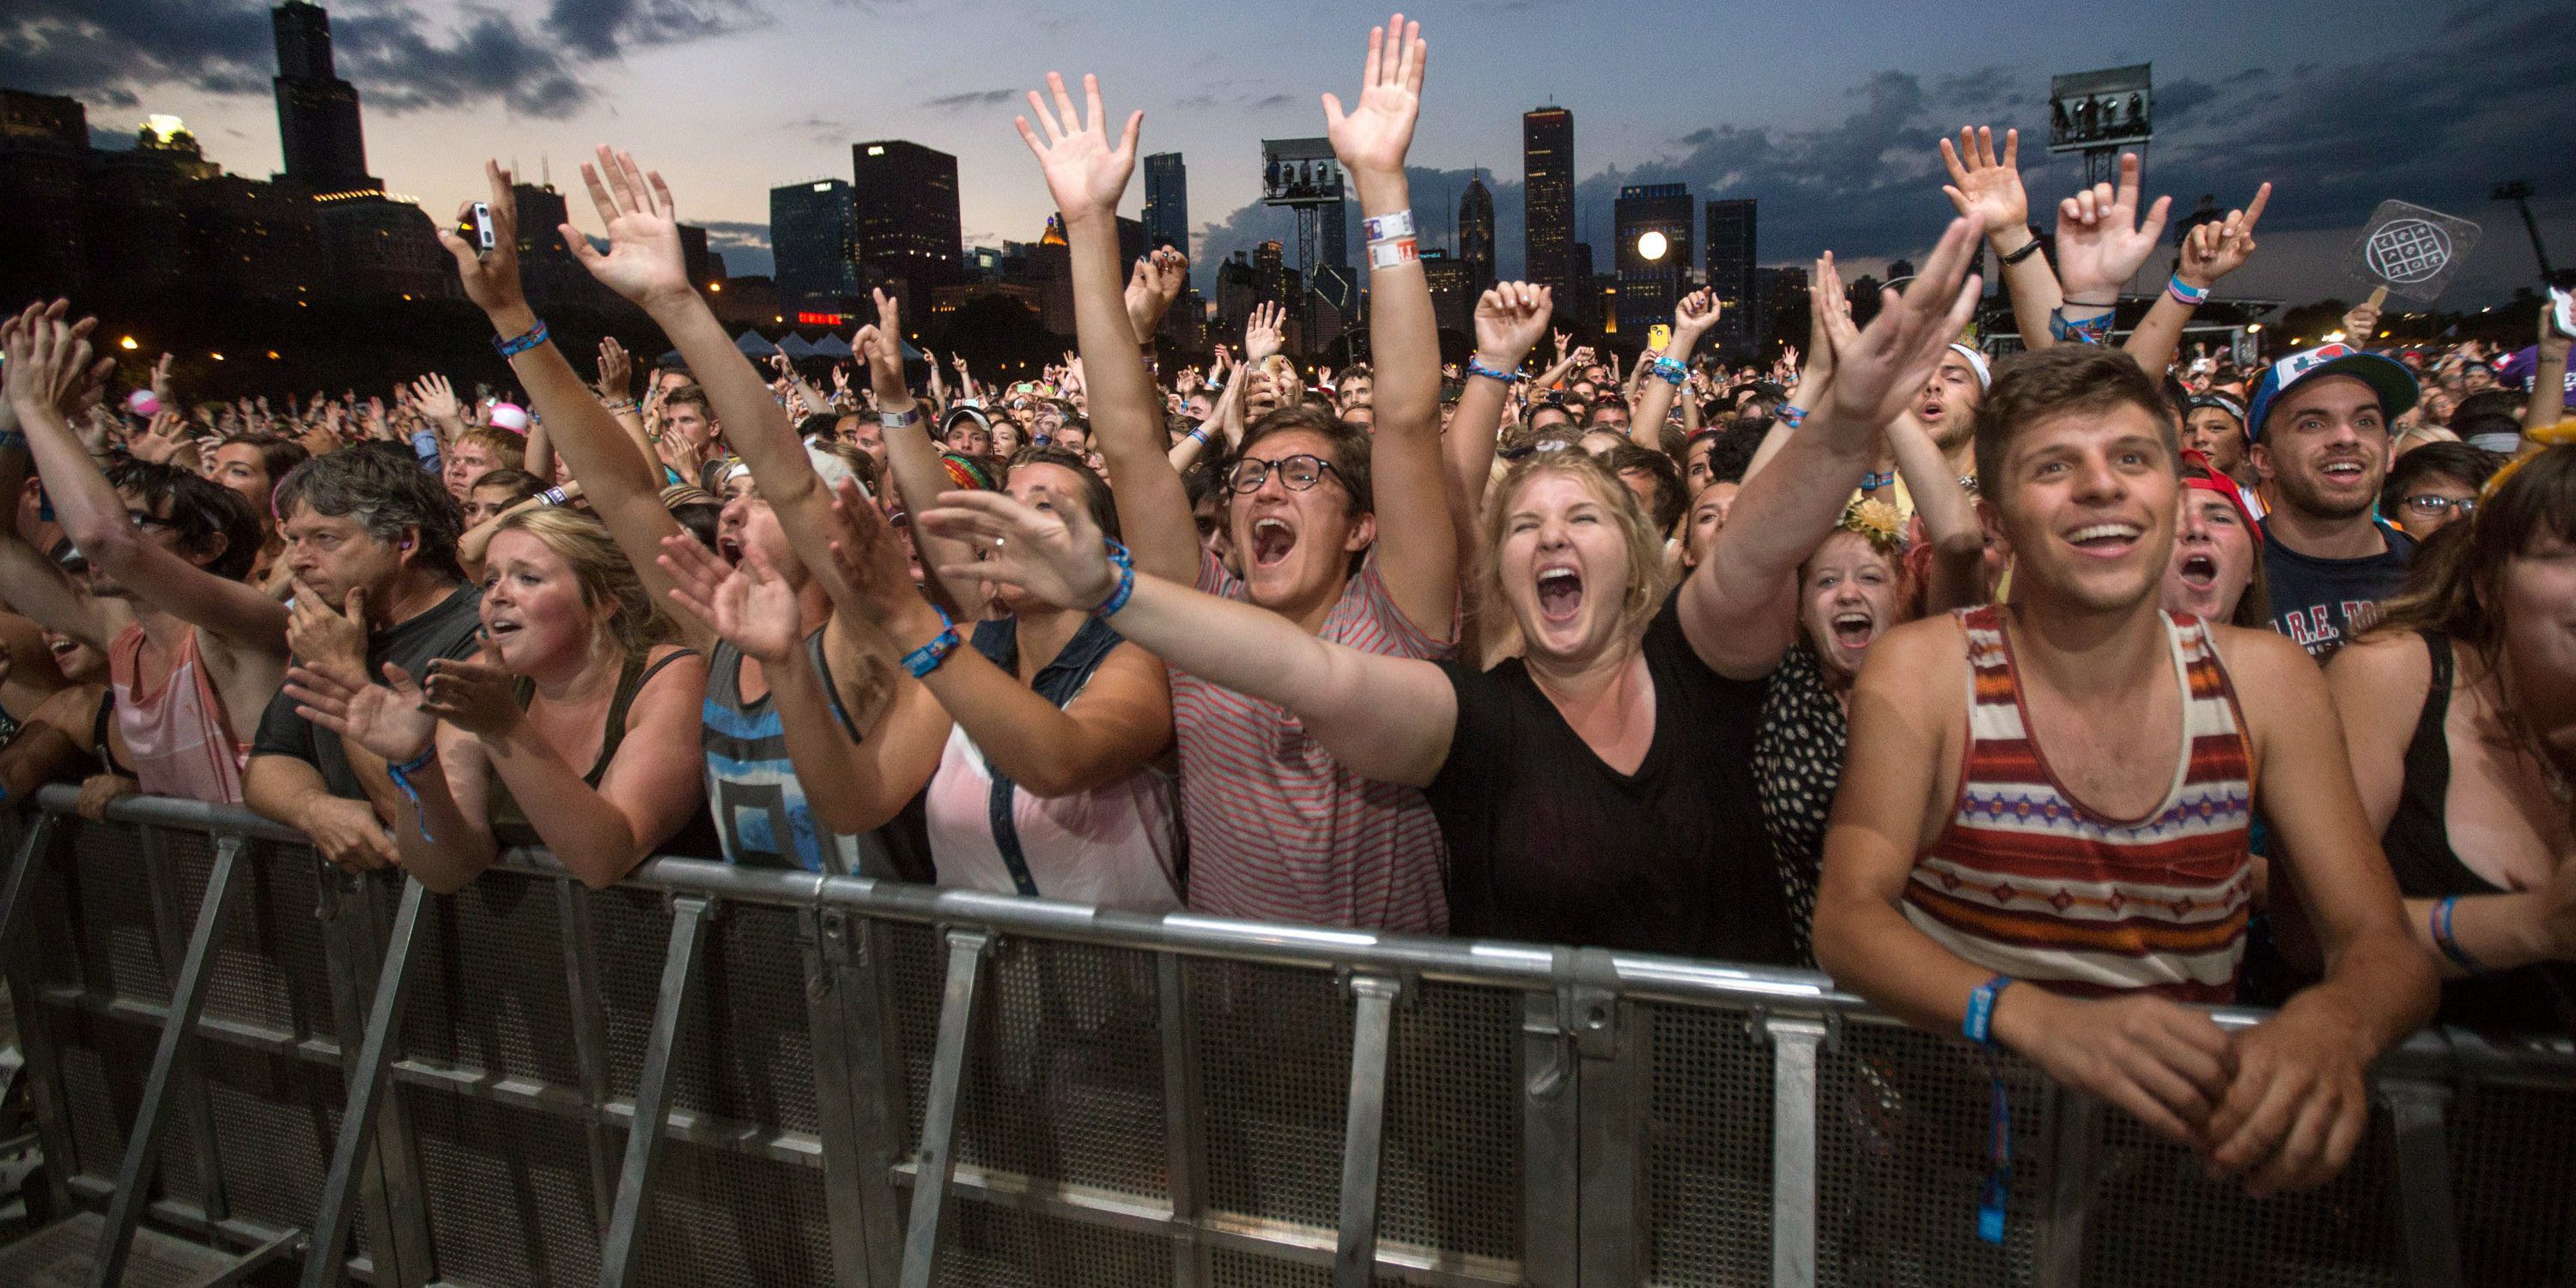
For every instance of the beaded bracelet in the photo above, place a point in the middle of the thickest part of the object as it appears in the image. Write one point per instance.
(1126, 581)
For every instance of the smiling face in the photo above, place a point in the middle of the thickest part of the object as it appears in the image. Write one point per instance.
(1949, 401)
(1564, 567)
(79, 663)
(1847, 598)
(2535, 594)
(2213, 433)
(1296, 545)
(2213, 558)
(1707, 516)
(2087, 506)
(533, 608)
(2325, 448)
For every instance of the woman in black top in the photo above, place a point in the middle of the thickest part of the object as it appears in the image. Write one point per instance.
(2460, 713)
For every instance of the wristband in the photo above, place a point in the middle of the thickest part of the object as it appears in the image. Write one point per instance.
(1873, 482)
(2450, 946)
(619, 406)
(2186, 293)
(1671, 370)
(2028, 249)
(926, 659)
(900, 419)
(1476, 367)
(514, 346)
(1979, 1028)
(552, 496)
(1126, 581)
(401, 774)
(1388, 227)
(2095, 330)
(1790, 416)
(1394, 254)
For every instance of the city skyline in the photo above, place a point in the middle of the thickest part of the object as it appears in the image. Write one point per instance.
(1837, 149)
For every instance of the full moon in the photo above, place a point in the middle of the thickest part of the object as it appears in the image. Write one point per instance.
(1652, 245)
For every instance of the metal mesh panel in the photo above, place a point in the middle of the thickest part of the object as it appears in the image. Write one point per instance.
(1064, 1077)
(489, 990)
(994, 1247)
(1449, 1175)
(275, 1120)
(1233, 1268)
(269, 969)
(720, 1218)
(2513, 1158)
(508, 1193)
(1901, 1156)
(1274, 1057)
(53, 953)
(916, 965)
(1707, 1148)
(2147, 1190)
(104, 1063)
(115, 937)
(631, 934)
(746, 1048)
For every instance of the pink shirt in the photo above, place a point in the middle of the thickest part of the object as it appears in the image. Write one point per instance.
(177, 738)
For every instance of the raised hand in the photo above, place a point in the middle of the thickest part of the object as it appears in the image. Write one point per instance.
(749, 606)
(1879, 370)
(2213, 251)
(1265, 332)
(881, 346)
(388, 721)
(1828, 314)
(616, 370)
(435, 397)
(1056, 556)
(1984, 187)
(161, 381)
(1156, 283)
(2361, 322)
(644, 262)
(1084, 174)
(870, 555)
(491, 278)
(479, 697)
(1374, 137)
(1510, 318)
(2101, 241)
(1692, 318)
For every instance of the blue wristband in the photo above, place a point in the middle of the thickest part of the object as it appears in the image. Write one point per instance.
(517, 345)
(926, 659)
(1790, 416)
(1126, 581)
(1873, 482)
(401, 774)
(2450, 946)
(1979, 1028)
(13, 438)
(1476, 368)
(2187, 294)
(2090, 331)
(1671, 370)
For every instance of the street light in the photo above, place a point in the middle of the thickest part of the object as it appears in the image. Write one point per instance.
(128, 343)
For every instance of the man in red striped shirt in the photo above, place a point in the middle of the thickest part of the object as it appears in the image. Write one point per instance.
(2063, 868)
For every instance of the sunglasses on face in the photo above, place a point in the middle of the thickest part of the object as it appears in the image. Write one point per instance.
(1297, 473)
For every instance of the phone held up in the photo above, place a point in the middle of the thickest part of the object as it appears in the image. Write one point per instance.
(475, 229)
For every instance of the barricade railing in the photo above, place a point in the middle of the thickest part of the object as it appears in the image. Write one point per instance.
(863, 1083)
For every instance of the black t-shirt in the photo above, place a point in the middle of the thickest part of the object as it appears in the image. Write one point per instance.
(1547, 843)
(2323, 603)
(445, 630)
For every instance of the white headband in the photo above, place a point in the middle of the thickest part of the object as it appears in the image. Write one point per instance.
(1977, 363)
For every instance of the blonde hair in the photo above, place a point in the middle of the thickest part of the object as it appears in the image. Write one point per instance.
(1648, 575)
(601, 570)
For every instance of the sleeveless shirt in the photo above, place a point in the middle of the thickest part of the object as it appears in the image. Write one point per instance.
(180, 741)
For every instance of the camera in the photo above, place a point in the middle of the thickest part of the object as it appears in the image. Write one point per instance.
(476, 228)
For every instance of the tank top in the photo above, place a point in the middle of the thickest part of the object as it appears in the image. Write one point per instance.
(511, 825)
(180, 741)
(762, 816)
(2028, 881)
(2536, 998)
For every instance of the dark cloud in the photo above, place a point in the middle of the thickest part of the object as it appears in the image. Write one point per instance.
(745, 247)
(107, 51)
(972, 98)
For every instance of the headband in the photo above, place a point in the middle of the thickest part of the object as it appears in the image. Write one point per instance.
(1875, 521)
(2220, 401)
(1977, 363)
(2218, 484)
(967, 473)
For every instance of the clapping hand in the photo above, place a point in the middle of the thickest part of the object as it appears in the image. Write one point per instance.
(748, 605)
(1263, 333)
(616, 370)
(1055, 556)
(391, 722)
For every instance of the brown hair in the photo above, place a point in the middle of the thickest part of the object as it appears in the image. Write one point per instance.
(1347, 444)
(2254, 607)
(2452, 581)
(508, 450)
(695, 396)
(1647, 574)
(602, 570)
(2033, 385)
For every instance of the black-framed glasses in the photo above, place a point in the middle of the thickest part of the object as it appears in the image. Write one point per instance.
(2434, 507)
(1297, 473)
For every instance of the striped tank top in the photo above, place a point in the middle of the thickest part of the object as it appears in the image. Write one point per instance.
(2028, 881)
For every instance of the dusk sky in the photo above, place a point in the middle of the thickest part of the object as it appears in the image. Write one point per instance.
(1826, 111)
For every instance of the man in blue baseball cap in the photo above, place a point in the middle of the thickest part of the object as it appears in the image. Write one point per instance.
(2319, 428)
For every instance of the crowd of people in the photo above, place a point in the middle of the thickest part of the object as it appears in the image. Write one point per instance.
(2035, 698)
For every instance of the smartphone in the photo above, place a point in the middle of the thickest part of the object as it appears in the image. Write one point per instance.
(2562, 312)
(476, 228)
(1659, 337)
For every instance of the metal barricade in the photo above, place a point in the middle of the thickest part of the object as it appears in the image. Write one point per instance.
(859, 1083)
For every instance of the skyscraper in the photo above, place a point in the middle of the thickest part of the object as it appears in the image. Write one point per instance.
(1731, 262)
(1547, 178)
(814, 232)
(906, 199)
(1652, 254)
(1476, 234)
(1167, 201)
(317, 112)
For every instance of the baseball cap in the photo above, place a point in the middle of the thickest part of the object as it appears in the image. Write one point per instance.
(2387, 376)
(510, 416)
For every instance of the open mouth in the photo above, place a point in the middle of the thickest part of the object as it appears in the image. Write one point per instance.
(501, 629)
(730, 549)
(2106, 539)
(1930, 411)
(2200, 572)
(1854, 630)
(1560, 593)
(64, 648)
(1272, 539)
(2342, 471)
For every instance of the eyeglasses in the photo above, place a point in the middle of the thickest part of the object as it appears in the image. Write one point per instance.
(145, 519)
(1297, 473)
(2433, 507)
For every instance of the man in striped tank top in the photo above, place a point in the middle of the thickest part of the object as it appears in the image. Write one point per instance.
(2063, 868)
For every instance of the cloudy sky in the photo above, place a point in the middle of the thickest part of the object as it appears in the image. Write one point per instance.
(1825, 111)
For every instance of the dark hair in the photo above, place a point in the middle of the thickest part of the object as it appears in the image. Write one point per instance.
(201, 510)
(2068, 377)
(821, 424)
(2470, 465)
(2451, 582)
(1669, 501)
(386, 494)
(1732, 452)
(693, 395)
(699, 519)
(277, 453)
(521, 483)
(1096, 500)
(1347, 444)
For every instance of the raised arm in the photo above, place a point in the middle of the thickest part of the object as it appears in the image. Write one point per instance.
(1737, 608)
(1692, 318)
(1087, 174)
(2548, 402)
(623, 486)
(1384, 718)
(2209, 252)
(2101, 241)
(1949, 517)
(1510, 318)
(1987, 188)
(35, 587)
(919, 477)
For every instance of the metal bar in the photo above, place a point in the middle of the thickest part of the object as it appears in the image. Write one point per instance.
(1795, 1043)
(351, 952)
(1613, 1073)
(2075, 1119)
(44, 1066)
(368, 1088)
(170, 944)
(257, 1259)
(967, 950)
(2428, 1230)
(1364, 1131)
(865, 989)
(823, 935)
(1551, 1175)
(689, 917)
(395, 1183)
(1184, 1137)
(169, 1058)
(589, 1039)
